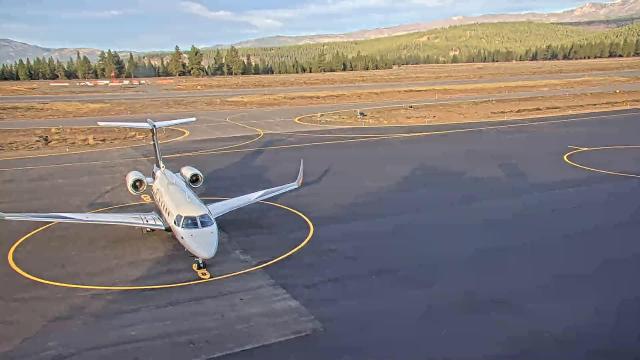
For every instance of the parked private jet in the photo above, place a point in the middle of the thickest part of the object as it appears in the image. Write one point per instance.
(192, 222)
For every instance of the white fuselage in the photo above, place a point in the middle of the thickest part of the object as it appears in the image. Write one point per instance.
(186, 215)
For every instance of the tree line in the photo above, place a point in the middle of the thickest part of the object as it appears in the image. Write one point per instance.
(459, 44)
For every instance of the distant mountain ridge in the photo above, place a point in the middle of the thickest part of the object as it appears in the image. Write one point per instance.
(587, 12)
(11, 50)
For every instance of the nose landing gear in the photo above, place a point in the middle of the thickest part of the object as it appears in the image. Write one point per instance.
(200, 267)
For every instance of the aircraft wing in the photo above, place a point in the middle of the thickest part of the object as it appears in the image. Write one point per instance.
(144, 220)
(222, 207)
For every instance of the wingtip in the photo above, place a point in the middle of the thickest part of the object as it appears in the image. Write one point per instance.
(300, 173)
(2, 216)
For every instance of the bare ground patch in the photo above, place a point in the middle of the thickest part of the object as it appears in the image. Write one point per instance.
(408, 74)
(190, 104)
(480, 110)
(24, 142)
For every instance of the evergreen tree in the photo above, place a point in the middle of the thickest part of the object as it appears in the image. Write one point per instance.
(247, 68)
(131, 66)
(71, 70)
(176, 66)
(195, 62)
(233, 62)
(218, 63)
(162, 70)
(82, 67)
(60, 71)
(118, 65)
(24, 70)
(628, 48)
(320, 63)
(101, 70)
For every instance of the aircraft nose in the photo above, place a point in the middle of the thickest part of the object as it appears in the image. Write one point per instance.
(206, 245)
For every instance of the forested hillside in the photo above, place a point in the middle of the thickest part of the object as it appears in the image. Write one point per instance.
(518, 41)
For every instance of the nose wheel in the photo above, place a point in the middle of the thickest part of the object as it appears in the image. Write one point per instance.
(200, 267)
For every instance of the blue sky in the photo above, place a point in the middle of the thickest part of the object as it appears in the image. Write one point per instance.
(161, 24)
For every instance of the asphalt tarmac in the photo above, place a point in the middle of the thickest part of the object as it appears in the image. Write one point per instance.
(469, 241)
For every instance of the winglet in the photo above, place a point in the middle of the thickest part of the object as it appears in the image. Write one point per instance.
(300, 173)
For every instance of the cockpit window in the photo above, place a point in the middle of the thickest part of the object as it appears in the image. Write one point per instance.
(178, 220)
(190, 222)
(205, 220)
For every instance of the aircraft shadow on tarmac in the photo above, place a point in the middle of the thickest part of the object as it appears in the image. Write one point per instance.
(476, 248)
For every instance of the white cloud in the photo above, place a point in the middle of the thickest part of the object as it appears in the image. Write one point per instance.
(274, 18)
(223, 15)
(97, 14)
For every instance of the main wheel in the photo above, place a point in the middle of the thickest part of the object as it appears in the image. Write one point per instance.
(204, 274)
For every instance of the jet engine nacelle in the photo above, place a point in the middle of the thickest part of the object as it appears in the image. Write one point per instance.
(136, 182)
(192, 176)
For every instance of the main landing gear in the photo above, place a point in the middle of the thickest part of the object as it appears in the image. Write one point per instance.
(200, 267)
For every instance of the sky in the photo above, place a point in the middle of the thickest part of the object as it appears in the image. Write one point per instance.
(144, 25)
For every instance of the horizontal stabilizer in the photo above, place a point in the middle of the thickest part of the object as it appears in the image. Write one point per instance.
(147, 125)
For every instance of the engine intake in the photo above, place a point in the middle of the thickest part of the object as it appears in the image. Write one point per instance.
(192, 176)
(136, 182)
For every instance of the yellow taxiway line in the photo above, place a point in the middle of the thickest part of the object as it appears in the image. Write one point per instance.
(230, 149)
(24, 273)
(567, 159)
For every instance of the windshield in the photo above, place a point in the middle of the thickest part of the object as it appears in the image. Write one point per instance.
(205, 220)
(190, 222)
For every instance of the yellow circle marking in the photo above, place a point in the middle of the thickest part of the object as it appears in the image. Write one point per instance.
(227, 150)
(259, 135)
(185, 133)
(567, 159)
(19, 270)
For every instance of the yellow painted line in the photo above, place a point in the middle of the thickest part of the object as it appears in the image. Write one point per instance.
(567, 159)
(355, 126)
(365, 139)
(259, 132)
(185, 133)
(24, 273)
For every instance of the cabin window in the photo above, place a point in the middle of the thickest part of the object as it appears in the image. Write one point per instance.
(190, 222)
(178, 220)
(205, 220)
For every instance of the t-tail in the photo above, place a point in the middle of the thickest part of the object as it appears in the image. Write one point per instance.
(153, 126)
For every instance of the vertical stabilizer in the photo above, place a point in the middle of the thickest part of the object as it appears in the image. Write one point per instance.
(156, 144)
(153, 126)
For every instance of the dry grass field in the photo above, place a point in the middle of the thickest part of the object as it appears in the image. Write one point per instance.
(408, 74)
(490, 110)
(490, 82)
(21, 142)
(53, 110)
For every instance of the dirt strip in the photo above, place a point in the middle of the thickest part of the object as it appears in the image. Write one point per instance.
(28, 142)
(15, 111)
(408, 74)
(507, 109)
